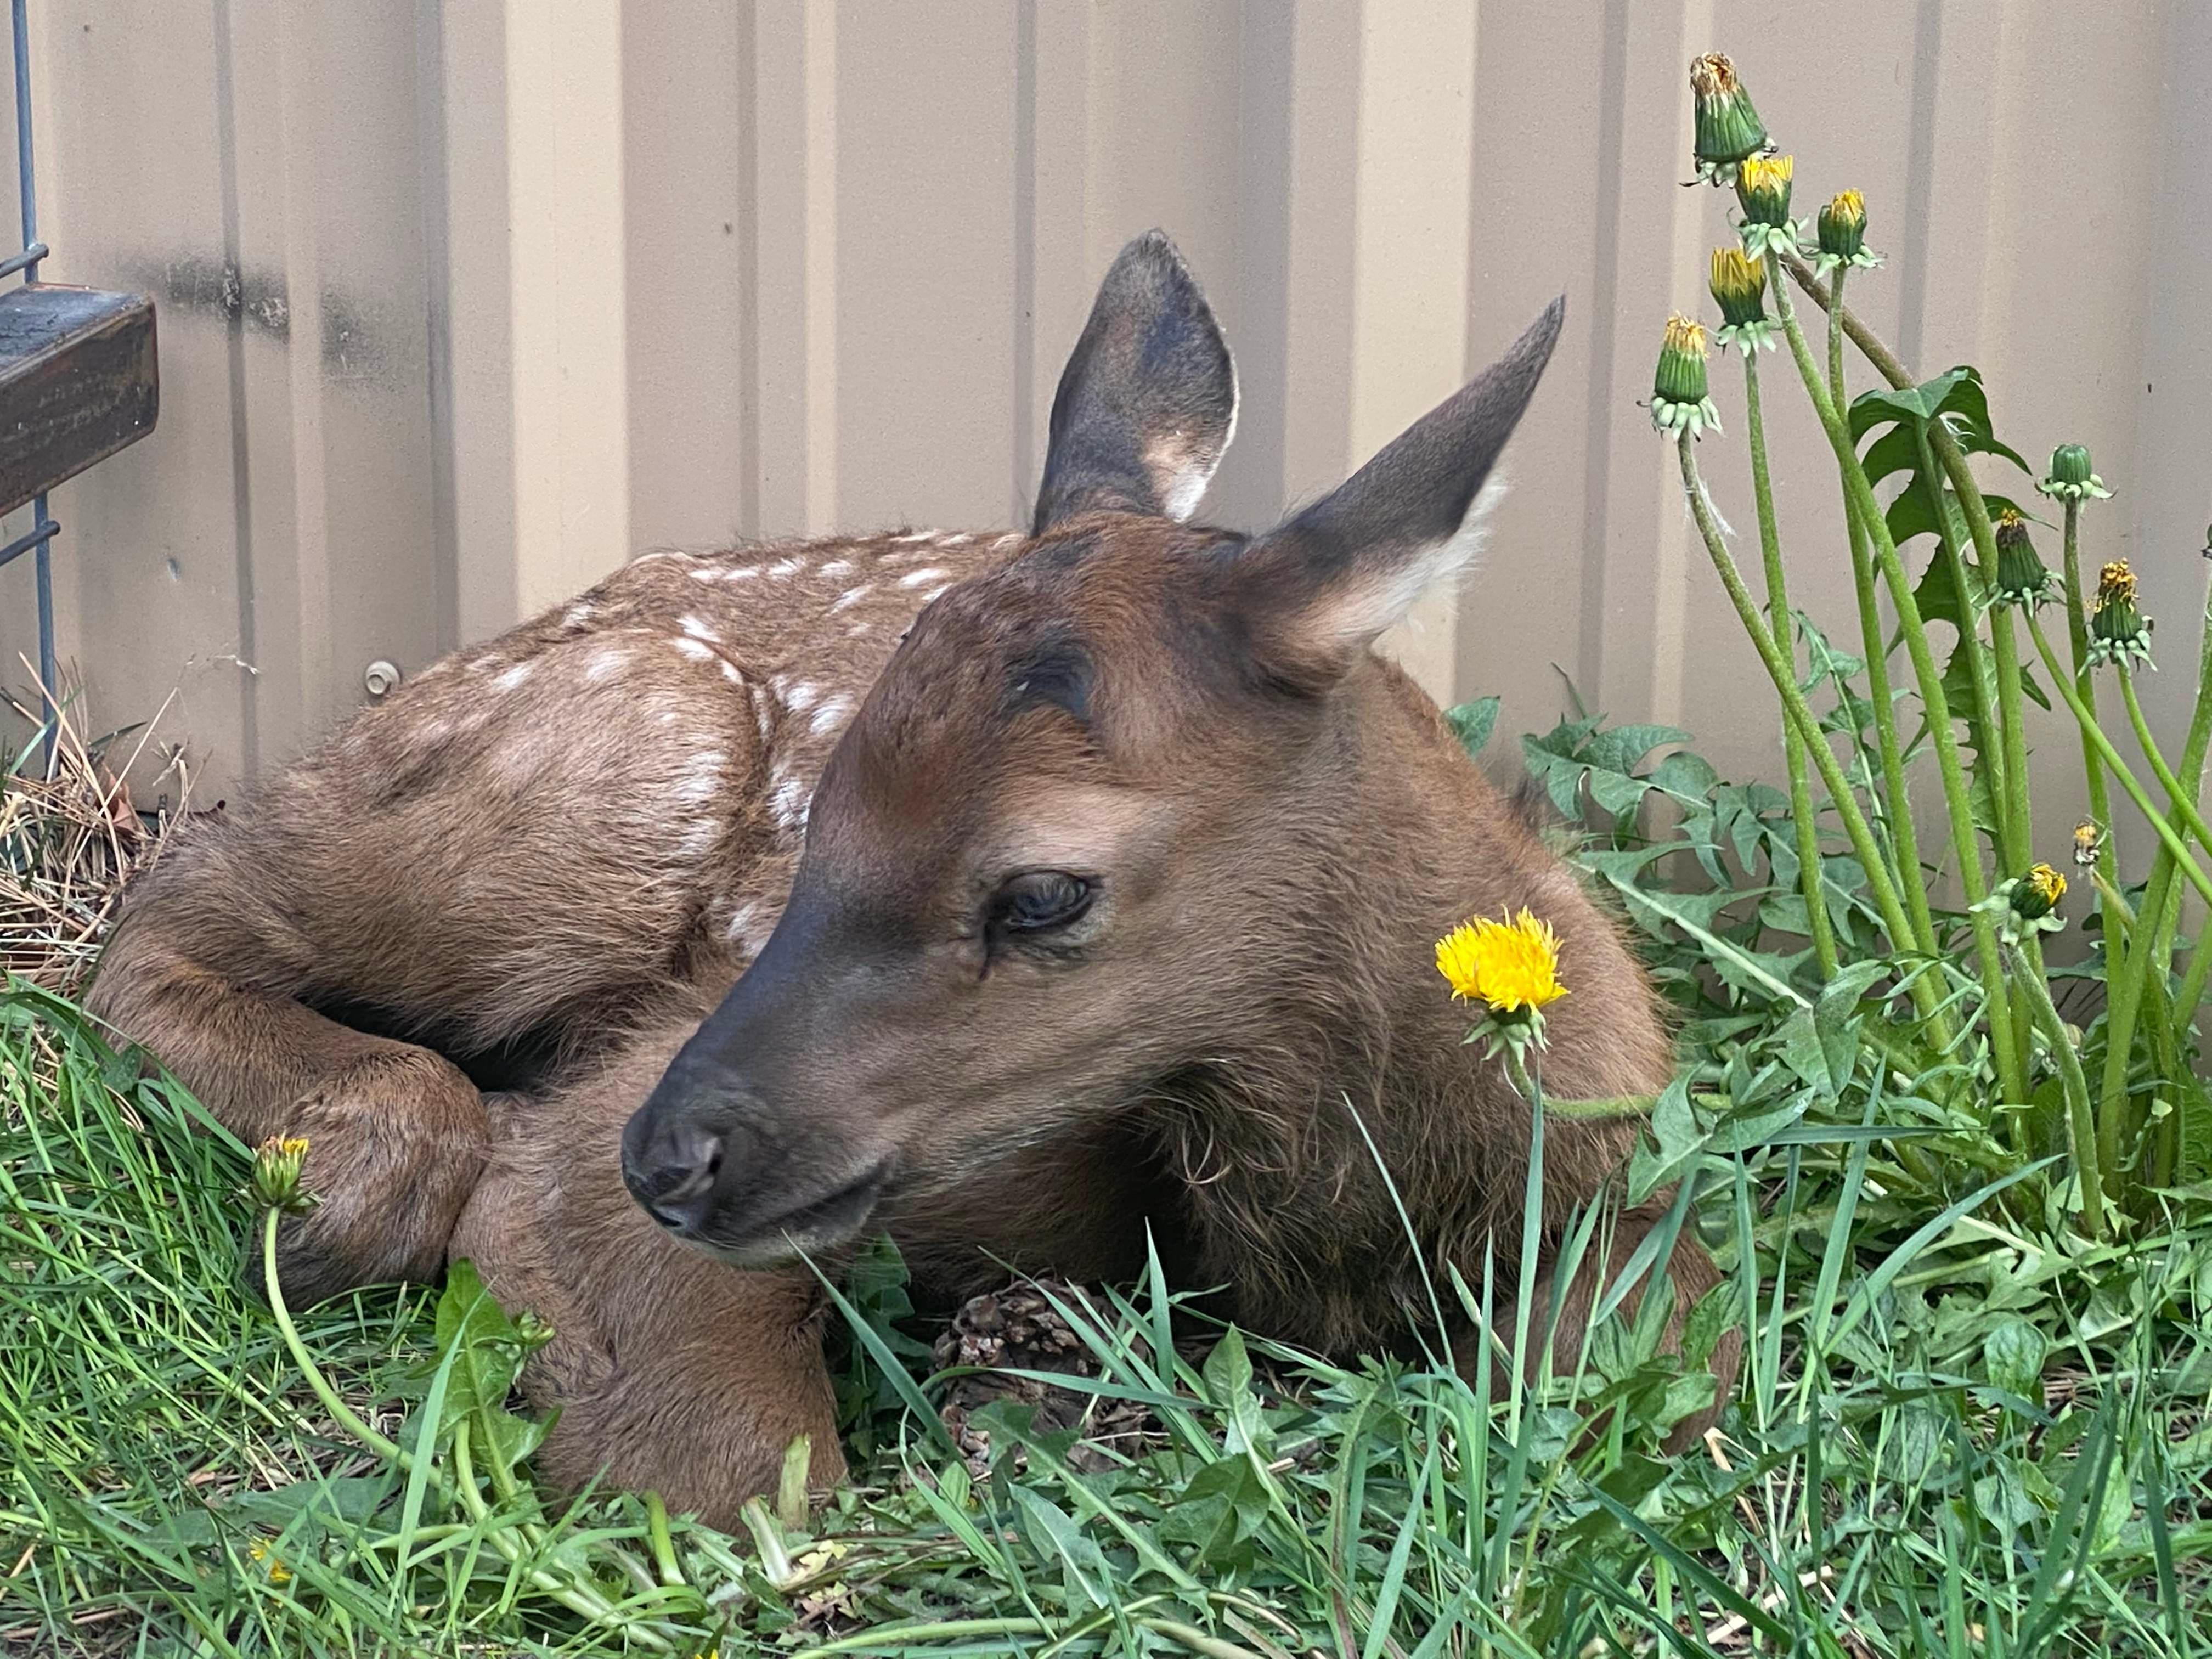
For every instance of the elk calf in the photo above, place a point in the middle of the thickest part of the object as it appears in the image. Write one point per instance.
(1017, 893)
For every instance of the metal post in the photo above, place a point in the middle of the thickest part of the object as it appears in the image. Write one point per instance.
(25, 189)
(42, 559)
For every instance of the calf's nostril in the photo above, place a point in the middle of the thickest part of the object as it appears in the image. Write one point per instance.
(676, 1185)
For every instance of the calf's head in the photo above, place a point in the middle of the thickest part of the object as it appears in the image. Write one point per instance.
(1106, 814)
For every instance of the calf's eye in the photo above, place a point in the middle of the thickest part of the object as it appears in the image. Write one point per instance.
(1038, 901)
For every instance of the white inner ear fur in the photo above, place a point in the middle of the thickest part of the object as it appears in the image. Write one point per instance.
(1179, 465)
(1376, 598)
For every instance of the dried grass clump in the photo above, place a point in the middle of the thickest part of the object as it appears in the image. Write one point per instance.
(70, 836)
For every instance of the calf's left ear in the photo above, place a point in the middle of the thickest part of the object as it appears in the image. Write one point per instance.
(1323, 585)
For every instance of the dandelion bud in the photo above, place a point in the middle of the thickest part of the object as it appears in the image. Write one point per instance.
(274, 1184)
(2119, 632)
(1762, 189)
(1843, 232)
(1739, 283)
(1679, 403)
(1843, 225)
(532, 1331)
(2021, 577)
(2036, 894)
(1728, 128)
(2070, 477)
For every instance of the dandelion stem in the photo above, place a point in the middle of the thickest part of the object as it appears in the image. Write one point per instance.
(2111, 756)
(2184, 802)
(2085, 686)
(1809, 874)
(1925, 995)
(2191, 993)
(1997, 724)
(1997, 1008)
(1904, 838)
(1992, 747)
(2081, 1129)
(342, 1413)
(2132, 977)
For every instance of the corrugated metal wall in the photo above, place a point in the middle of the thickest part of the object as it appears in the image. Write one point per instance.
(465, 302)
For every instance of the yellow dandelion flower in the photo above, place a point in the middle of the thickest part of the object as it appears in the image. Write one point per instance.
(278, 1573)
(2116, 583)
(1509, 965)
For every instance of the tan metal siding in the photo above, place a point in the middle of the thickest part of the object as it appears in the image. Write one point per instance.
(463, 302)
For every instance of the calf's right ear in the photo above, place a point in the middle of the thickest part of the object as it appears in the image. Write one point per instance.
(1148, 401)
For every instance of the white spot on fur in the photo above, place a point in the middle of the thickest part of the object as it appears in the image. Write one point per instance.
(744, 573)
(696, 650)
(832, 714)
(1006, 541)
(851, 596)
(789, 804)
(962, 539)
(802, 696)
(742, 919)
(928, 573)
(763, 713)
(837, 568)
(605, 664)
(515, 675)
(699, 630)
(576, 615)
(934, 591)
(786, 567)
(704, 780)
(700, 837)
(700, 573)
(919, 536)
(730, 673)
(858, 629)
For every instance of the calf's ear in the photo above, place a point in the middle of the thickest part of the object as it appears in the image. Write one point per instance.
(1321, 585)
(1148, 400)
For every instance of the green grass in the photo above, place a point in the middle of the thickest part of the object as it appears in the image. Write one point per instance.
(1960, 1429)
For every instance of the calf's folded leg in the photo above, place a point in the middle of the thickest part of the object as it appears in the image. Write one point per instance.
(396, 1133)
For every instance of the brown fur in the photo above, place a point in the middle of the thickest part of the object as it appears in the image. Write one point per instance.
(575, 867)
